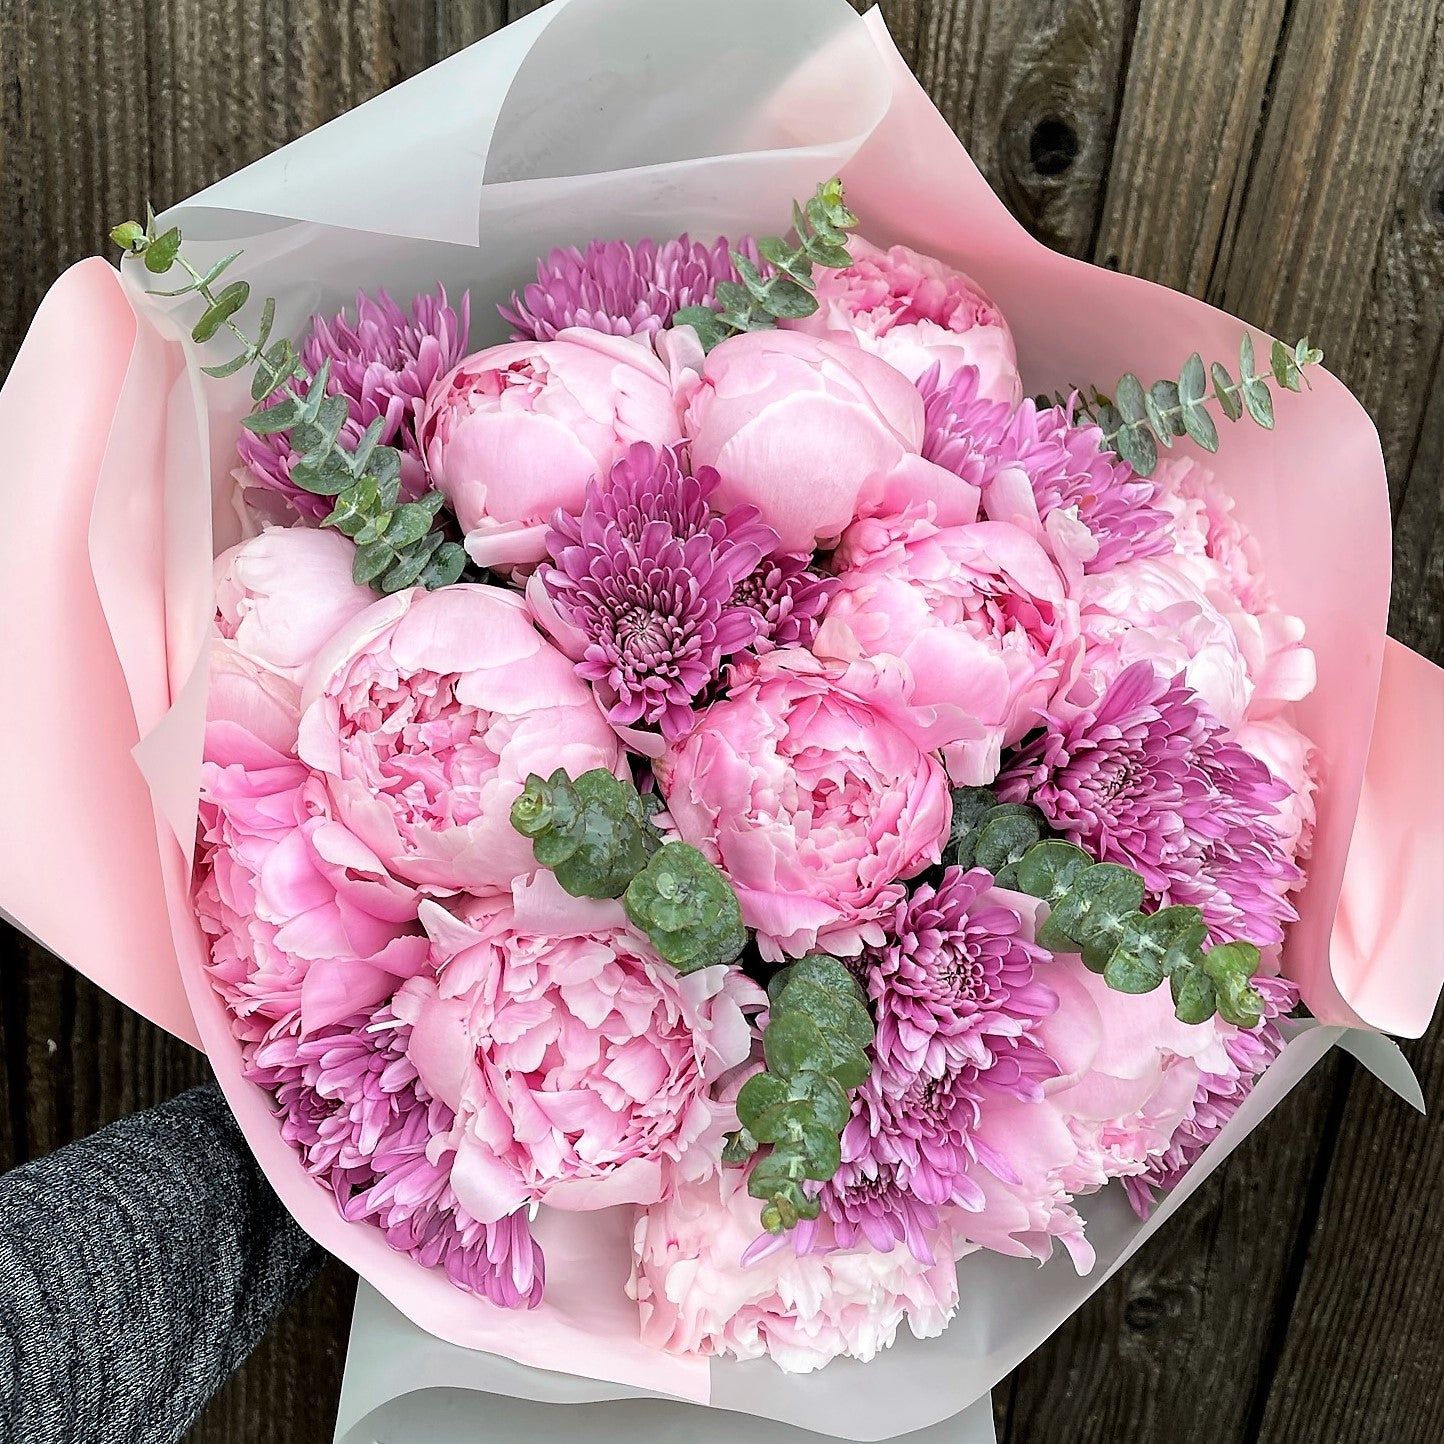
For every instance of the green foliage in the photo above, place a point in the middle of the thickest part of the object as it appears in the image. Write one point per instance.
(758, 302)
(687, 908)
(398, 544)
(596, 835)
(992, 834)
(1229, 967)
(1096, 911)
(1135, 421)
(592, 833)
(815, 1044)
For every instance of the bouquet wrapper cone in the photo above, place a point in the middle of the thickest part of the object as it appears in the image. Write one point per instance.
(588, 118)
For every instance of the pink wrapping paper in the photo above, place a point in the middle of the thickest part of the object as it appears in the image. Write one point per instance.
(105, 577)
(77, 854)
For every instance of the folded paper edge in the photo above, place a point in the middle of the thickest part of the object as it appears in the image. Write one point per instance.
(1387, 960)
(119, 954)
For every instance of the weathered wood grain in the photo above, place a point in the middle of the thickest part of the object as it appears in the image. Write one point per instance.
(1032, 90)
(1333, 235)
(1417, 613)
(1185, 133)
(1195, 170)
(1280, 157)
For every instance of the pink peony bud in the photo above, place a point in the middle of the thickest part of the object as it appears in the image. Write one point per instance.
(812, 433)
(915, 313)
(810, 788)
(516, 432)
(283, 595)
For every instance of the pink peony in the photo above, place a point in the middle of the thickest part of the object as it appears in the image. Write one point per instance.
(1023, 1214)
(516, 432)
(697, 1296)
(1139, 1084)
(294, 940)
(916, 313)
(244, 695)
(810, 787)
(1151, 611)
(811, 432)
(978, 615)
(1222, 560)
(282, 595)
(425, 716)
(577, 1064)
(351, 1104)
(1211, 545)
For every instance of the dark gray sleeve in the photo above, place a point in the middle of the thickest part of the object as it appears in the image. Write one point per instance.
(138, 1267)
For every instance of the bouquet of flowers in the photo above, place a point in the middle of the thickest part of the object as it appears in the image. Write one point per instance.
(716, 796)
(799, 770)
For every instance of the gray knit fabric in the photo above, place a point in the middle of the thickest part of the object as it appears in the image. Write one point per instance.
(138, 1268)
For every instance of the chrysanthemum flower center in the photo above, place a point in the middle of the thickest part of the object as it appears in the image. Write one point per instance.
(644, 638)
(964, 975)
(1122, 776)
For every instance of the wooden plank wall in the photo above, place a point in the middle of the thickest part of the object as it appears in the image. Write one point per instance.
(1282, 158)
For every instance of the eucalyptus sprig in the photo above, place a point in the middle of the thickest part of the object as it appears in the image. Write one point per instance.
(592, 833)
(687, 908)
(758, 302)
(1136, 419)
(595, 834)
(1096, 911)
(398, 544)
(815, 1044)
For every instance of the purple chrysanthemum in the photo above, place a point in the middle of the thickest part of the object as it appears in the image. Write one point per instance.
(647, 576)
(961, 430)
(987, 443)
(1218, 1097)
(1069, 468)
(868, 1199)
(383, 362)
(351, 1104)
(789, 597)
(956, 1001)
(1150, 779)
(619, 288)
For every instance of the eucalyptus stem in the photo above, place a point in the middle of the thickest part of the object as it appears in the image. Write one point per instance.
(758, 302)
(399, 544)
(275, 376)
(1135, 419)
(1096, 910)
